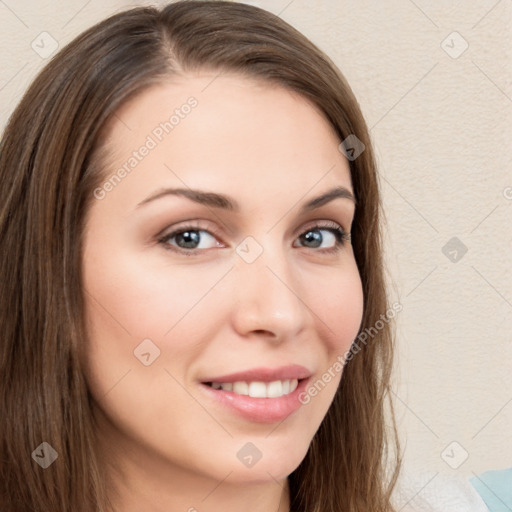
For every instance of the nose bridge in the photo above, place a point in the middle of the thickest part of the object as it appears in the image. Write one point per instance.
(267, 298)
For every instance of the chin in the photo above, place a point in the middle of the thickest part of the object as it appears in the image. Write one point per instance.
(275, 462)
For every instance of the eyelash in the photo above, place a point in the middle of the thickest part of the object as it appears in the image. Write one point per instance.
(341, 237)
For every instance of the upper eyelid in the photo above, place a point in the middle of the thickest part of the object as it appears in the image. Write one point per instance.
(183, 226)
(331, 208)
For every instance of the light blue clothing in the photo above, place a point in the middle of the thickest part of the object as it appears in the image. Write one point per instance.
(495, 488)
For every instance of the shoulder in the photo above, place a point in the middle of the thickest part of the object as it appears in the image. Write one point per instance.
(422, 491)
(495, 488)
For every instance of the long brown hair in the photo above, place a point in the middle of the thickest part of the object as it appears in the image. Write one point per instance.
(51, 160)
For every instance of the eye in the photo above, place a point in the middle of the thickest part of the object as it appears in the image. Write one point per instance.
(188, 239)
(191, 239)
(335, 239)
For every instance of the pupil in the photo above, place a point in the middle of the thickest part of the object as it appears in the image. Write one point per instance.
(192, 236)
(314, 236)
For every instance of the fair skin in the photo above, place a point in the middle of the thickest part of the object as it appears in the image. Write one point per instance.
(214, 313)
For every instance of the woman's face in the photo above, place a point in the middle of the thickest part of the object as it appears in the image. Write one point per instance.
(182, 290)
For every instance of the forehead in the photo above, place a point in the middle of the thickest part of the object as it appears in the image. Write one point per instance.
(224, 132)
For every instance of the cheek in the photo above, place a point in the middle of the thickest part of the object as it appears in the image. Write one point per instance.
(130, 295)
(339, 310)
(338, 306)
(127, 303)
(130, 300)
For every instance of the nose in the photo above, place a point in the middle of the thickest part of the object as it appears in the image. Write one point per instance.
(267, 297)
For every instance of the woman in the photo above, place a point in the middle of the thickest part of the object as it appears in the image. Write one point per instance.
(144, 370)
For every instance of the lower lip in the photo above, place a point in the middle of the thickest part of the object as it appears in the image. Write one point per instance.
(261, 410)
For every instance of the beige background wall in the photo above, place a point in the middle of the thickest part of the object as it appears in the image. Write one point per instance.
(441, 119)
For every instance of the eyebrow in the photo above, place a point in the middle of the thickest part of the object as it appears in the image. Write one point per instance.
(224, 202)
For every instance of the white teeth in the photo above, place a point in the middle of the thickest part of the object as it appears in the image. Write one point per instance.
(275, 389)
(258, 389)
(241, 388)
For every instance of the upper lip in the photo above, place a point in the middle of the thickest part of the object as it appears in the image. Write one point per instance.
(264, 374)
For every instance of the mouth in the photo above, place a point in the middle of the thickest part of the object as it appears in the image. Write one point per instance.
(258, 389)
(260, 395)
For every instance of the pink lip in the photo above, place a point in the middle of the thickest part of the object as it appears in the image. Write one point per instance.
(261, 410)
(263, 374)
